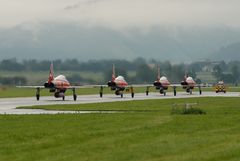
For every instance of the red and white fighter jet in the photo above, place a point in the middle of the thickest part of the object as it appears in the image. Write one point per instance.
(162, 84)
(58, 85)
(188, 84)
(117, 84)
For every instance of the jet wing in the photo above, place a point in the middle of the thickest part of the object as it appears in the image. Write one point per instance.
(141, 85)
(96, 86)
(79, 87)
(175, 85)
(71, 87)
(196, 85)
(33, 87)
(105, 86)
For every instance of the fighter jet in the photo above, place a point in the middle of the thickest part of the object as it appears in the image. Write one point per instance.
(58, 85)
(188, 84)
(117, 84)
(162, 84)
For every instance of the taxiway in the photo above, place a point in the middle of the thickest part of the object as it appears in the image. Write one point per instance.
(8, 105)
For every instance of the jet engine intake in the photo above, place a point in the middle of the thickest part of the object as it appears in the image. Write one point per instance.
(183, 83)
(49, 85)
(111, 84)
(157, 84)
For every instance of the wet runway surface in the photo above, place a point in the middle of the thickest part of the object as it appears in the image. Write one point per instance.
(8, 105)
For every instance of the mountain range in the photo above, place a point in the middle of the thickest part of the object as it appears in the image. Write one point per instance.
(69, 40)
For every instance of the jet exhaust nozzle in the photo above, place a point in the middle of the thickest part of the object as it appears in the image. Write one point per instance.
(183, 83)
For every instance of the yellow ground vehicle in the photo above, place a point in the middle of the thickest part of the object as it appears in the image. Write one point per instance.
(220, 87)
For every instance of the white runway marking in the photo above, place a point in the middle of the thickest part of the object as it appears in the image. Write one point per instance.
(8, 105)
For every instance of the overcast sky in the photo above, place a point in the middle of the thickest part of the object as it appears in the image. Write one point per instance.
(122, 13)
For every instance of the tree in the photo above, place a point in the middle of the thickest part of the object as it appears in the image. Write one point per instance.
(177, 73)
(145, 74)
(228, 78)
(11, 65)
(139, 61)
(218, 72)
(235, 72)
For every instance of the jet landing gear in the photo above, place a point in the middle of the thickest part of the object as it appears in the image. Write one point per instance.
(74, 94)
(162, 91)
(38, 94)
(200, 90)
(190, 91)
(118, 92)
(147, 90)
(174, 90)
(101, 91)
(132, 92)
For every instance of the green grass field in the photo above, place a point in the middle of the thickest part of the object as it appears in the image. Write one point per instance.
(154, 135)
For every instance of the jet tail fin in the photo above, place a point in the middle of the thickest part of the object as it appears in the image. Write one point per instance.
(186, 75)
(158, 73)
(51, 76)
(113, 72)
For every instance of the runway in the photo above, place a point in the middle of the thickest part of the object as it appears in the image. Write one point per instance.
(8, 105)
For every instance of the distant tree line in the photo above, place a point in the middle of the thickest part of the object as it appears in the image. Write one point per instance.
(145, 71)
(65, 65)
(229, 73)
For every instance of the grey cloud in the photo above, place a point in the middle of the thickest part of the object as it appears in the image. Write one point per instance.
(121, 14)
(71, 7)
(85, 2)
